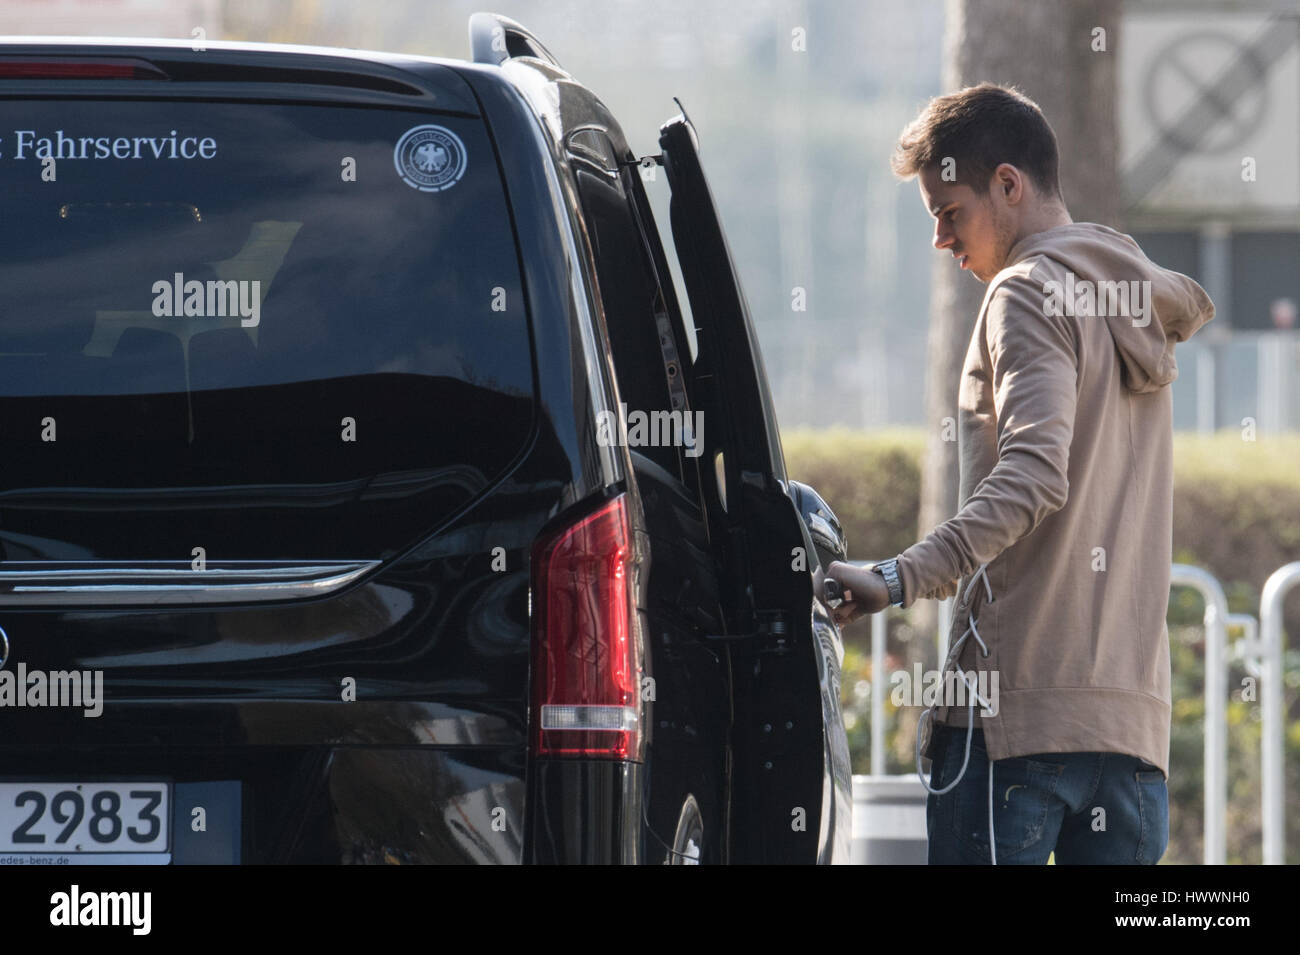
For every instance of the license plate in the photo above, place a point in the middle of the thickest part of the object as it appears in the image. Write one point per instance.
(85, 823)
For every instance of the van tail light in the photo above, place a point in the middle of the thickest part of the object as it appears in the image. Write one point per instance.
(65, 68)
(586, 662)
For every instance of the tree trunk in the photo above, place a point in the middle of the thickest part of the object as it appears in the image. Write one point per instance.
(1046, 50)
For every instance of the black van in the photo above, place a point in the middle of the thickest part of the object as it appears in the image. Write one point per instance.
(369, 495)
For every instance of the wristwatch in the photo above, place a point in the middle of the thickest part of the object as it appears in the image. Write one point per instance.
(889, 570)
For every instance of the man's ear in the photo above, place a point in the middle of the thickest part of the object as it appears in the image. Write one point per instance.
(1007, 179)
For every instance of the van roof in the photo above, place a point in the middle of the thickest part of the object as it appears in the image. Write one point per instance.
(128, 44)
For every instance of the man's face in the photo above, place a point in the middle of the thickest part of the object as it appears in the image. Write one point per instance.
(977, 230)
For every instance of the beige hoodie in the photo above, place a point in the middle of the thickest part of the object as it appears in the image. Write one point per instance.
(1063, 542)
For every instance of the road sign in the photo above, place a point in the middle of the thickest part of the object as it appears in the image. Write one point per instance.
(1209, 118)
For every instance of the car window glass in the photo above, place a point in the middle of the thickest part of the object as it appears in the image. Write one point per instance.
(204, 301)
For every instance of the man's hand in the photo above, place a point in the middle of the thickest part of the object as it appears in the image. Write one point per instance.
(865, 591)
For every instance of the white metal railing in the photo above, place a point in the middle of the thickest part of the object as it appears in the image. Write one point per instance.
(878, 635)
(1215, 849)
(1271, 691)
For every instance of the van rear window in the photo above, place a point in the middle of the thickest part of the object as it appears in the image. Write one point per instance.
(273, 331)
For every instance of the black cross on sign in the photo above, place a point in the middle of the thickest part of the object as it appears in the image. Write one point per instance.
(1185, 63)
(1229, 104)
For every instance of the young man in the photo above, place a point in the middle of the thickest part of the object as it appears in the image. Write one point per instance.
(1064, 534)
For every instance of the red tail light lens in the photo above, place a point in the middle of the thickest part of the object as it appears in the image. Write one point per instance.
(586, 663)
(31, 68)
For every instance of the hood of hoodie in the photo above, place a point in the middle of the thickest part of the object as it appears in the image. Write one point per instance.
(1164, 307)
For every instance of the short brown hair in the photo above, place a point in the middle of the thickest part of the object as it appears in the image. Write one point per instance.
(980, 127)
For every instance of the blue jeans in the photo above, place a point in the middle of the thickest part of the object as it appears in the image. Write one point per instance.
(1088, 808)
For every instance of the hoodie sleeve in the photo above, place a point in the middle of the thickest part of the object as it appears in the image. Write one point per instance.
(1034, 368)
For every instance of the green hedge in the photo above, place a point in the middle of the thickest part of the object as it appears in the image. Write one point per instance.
(1236, 513)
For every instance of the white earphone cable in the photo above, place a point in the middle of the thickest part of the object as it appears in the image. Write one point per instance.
(968, 678)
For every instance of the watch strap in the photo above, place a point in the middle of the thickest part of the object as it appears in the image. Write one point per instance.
(889, 570)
